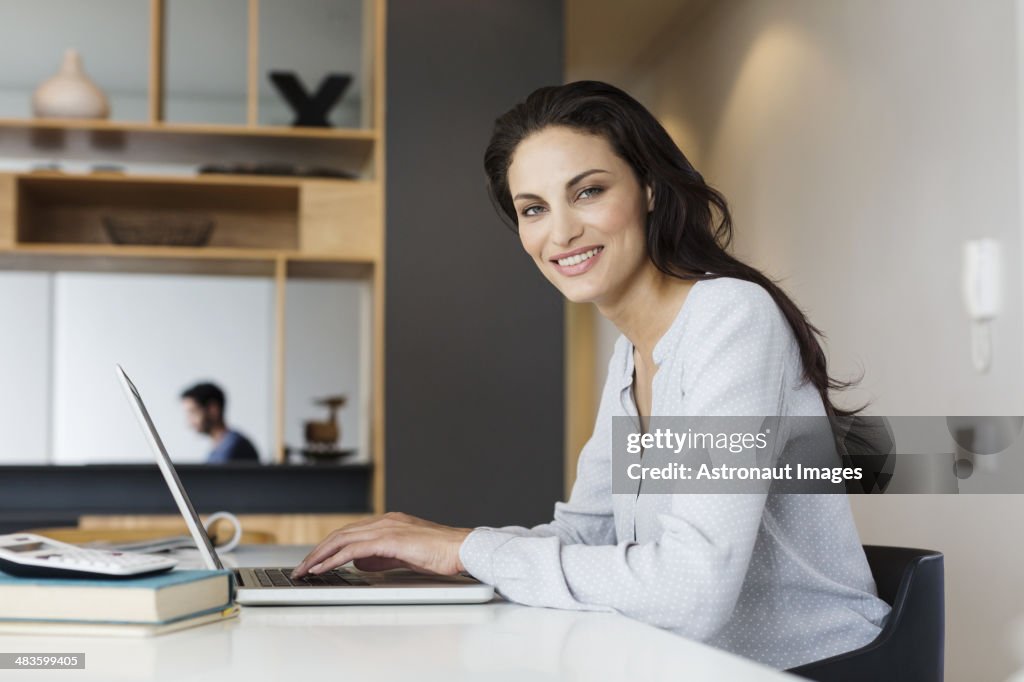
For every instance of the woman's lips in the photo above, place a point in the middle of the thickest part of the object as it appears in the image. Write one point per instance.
(579, 268)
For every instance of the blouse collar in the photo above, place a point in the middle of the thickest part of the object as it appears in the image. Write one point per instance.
(664, 346)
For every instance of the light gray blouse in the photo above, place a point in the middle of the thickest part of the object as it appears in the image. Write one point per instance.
(778, 578)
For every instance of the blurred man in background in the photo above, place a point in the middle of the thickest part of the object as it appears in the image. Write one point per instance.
(204, 406)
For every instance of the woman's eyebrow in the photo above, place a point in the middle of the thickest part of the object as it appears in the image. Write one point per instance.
(573, 181)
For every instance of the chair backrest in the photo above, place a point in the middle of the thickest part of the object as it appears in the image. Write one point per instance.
(911, 645)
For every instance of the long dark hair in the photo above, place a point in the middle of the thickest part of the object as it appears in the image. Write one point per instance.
(683, 239)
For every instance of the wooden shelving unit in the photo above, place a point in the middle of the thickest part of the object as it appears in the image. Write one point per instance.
(202, 129)
(278, 227)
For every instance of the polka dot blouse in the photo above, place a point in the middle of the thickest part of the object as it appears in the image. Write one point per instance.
(781, 579)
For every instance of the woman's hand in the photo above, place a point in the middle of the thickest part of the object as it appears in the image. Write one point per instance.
(392, 540)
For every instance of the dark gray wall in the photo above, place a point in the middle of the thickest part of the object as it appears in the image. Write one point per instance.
(474, 358)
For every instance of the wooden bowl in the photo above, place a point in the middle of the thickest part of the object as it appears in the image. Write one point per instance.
(159, 229)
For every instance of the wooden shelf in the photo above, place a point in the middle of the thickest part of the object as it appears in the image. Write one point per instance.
(255, 217)
(69, 210)
(183, 261)
(196, 129)
(199, 178)
(182, 253)
(126, 251)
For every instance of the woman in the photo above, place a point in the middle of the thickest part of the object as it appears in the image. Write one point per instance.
(612, 213)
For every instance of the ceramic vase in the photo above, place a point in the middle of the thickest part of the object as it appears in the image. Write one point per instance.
(70, 93)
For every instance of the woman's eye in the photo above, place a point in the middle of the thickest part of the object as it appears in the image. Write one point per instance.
(584, 194)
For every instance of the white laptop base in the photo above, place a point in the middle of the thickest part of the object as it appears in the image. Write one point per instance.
(391, 587)
(271, 586)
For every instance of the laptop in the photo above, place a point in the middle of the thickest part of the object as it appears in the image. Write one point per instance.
(273, 586)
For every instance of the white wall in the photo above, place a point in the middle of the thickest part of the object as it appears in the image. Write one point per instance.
(62, 333)
(860, 142)
(25, 328)
(167, 332)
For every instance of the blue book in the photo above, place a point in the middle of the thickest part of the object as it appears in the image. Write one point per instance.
(78, 628)
(153, 600)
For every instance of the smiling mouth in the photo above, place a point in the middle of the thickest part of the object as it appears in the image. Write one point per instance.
(580, 257)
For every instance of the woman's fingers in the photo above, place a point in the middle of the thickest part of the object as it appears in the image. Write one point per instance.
(424, 546)
(331, 545)
(354, 550)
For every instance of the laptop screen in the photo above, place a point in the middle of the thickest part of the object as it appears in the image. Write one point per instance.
(163, 460)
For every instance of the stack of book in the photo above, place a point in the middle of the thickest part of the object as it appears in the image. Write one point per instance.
(134, 607)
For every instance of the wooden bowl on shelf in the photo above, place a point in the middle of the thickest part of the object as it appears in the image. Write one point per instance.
(159, 229)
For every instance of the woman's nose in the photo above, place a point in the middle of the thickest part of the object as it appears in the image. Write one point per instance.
(566, 229)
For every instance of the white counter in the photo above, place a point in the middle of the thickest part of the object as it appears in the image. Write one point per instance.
(496, 641)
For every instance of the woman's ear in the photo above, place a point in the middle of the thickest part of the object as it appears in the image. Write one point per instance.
(650, 199)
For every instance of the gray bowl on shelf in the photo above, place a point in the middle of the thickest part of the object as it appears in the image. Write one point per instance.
(159, 229)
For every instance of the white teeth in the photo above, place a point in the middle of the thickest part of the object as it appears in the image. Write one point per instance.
(580, 257)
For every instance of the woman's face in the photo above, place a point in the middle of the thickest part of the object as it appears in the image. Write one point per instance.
(582, 213)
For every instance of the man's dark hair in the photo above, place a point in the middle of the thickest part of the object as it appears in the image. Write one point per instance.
(206, 394)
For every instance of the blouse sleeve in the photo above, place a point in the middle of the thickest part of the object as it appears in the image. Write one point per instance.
(690, 578)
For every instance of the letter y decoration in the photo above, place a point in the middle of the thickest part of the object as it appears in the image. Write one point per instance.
(311, 110)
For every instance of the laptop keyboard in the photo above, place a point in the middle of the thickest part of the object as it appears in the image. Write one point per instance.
(278, 577)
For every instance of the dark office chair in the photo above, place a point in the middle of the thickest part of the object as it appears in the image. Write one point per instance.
(911, 644)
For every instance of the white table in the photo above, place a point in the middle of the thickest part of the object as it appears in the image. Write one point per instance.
(495, 641)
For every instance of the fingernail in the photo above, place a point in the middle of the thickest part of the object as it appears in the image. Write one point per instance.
(316, 569)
